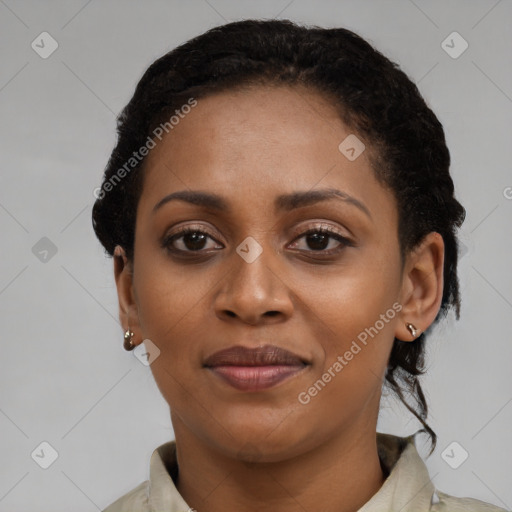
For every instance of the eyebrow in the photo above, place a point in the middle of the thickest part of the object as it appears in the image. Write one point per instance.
(284, 202)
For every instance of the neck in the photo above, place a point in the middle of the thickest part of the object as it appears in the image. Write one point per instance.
(340, 475)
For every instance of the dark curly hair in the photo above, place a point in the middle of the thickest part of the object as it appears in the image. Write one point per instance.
(374, 98)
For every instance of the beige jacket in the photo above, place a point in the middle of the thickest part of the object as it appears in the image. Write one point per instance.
(407, 488)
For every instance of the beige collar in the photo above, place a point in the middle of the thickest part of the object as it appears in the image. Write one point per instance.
(408, 487)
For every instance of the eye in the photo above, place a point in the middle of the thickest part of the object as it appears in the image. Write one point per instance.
(191, 239)
(188, 239)
(321, 239)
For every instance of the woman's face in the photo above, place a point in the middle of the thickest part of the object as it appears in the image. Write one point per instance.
(252, 278)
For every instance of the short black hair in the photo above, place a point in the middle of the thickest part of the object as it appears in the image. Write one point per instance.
(374, 98)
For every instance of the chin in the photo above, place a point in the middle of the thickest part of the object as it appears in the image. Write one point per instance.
(266, 444)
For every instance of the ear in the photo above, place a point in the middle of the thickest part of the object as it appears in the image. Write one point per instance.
(128, 311)
(422, 286)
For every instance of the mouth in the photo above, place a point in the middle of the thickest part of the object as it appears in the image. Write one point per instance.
(255, 369)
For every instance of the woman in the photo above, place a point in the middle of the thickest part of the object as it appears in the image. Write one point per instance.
(283, 225)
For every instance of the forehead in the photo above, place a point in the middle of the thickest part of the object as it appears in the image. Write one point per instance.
(262, 141)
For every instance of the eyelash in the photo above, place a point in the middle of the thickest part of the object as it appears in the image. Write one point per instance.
(345, 242)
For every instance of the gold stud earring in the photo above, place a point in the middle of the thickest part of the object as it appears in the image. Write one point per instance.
(128, 343)
(412, 329)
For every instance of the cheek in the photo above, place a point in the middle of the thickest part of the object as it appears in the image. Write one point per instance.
(168, 294)
(344, 300)
(347, 381)
(172, 303)
(353, 315)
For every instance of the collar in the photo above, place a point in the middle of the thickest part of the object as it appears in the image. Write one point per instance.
(407, 488)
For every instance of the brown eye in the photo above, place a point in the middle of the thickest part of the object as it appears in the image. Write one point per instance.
(188, 240)
(320, 239)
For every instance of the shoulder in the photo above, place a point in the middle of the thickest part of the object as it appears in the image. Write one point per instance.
(409, 487)
(449, 503)
(135, 500)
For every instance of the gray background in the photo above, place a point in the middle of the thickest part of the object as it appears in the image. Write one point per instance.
(64, 376)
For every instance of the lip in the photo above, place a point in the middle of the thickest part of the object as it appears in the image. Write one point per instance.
(255, 369)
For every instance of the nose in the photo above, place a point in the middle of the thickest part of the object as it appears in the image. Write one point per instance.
(255, 292)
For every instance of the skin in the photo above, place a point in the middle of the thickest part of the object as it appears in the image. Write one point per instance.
(253, 450)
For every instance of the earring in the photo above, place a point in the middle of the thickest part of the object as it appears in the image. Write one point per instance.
(128, 344)
(412, 329)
